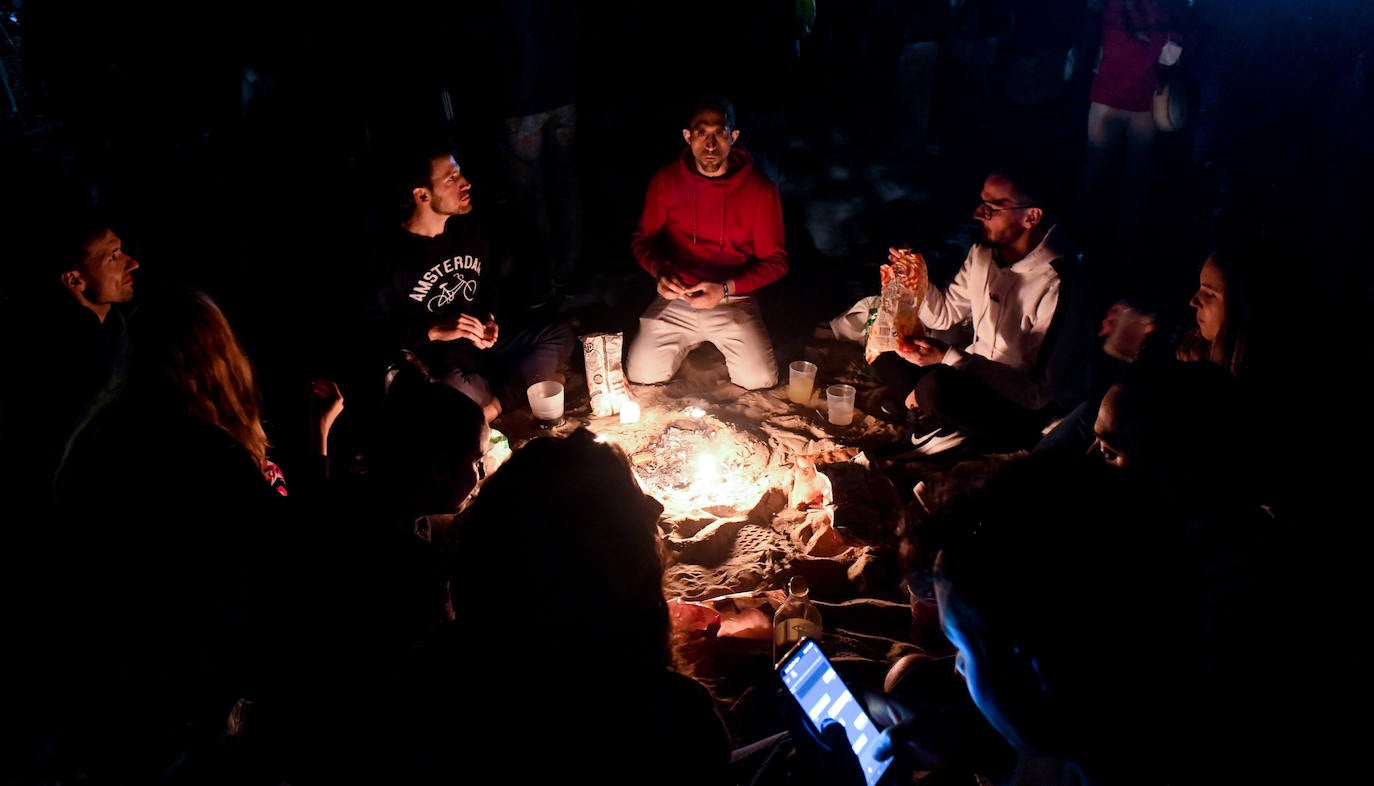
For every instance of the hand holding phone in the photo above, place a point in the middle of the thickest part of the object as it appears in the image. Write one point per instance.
(811, 680)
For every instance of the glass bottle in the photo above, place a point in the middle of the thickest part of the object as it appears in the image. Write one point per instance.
(795, 618)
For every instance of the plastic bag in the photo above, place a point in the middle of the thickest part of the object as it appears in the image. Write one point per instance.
(896, 312)
(605, 379)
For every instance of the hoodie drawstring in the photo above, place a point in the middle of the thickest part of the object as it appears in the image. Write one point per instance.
(696, 217)
(722, 221)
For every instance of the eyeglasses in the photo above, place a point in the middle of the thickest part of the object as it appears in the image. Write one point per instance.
(1106, 453)
(988, 207)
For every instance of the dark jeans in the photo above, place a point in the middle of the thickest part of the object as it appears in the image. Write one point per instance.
(537, 353)
(1074, 434)
(534, 354)
(958, 400)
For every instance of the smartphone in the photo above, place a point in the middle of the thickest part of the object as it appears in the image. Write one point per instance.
(812, 681)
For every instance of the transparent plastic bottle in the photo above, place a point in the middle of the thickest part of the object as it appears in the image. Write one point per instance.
(795, 618)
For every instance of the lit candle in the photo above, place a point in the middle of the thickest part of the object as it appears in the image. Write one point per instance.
(707, 470)
(629, 412)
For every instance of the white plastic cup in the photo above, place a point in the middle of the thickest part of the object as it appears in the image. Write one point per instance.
(839, 401)
(546, 400)
(801, 381)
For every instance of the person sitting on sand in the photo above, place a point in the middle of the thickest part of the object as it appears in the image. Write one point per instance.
(1021, 367)
(1059, 672)
(561, 631)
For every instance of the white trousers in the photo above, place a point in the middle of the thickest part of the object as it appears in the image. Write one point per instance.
(670, 329)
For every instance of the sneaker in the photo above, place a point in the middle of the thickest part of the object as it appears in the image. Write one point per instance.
(921, 430)
(919, 438)
(930, 439)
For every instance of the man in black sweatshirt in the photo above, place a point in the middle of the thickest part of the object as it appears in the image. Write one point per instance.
(442, 303)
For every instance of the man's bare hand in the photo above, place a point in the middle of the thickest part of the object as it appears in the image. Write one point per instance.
(670, 286)
(1125, 330)
(706, 294)
(481, 332)
(923, 351)
(897, 255)
(490, 331)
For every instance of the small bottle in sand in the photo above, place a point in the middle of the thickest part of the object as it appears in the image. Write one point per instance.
(795, 618)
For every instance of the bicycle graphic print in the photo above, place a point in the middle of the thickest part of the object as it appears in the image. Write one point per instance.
(449, 293)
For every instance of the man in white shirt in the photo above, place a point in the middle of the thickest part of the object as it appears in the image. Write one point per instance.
(1001, 389)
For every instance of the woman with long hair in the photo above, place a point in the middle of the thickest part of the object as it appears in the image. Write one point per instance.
(182, 569)
(1224, 314)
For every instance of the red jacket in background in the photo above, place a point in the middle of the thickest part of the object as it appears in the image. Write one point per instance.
(1127, 73)
(713, 228)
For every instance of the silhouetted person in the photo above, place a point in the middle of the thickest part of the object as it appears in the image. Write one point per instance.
(575, 652)
(182, 566)
(64, 333)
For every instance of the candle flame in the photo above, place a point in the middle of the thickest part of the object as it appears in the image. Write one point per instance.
(708, 469)
(700, 464)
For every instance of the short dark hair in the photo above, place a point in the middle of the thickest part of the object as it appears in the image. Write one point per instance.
(71, 231)
(713, 102)
(550, 504)
(1031, 183)
(1029, 555)
(427, 432)
(411, 165)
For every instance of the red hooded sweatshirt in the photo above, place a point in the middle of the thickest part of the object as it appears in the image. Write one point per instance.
(713, 228)
(1128, 72)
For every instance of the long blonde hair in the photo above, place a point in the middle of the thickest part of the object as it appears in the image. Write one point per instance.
(183, 349)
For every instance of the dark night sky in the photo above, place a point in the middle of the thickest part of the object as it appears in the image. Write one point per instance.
(1287, 111)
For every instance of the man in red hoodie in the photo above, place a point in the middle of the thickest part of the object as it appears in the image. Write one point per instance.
(711, 234)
